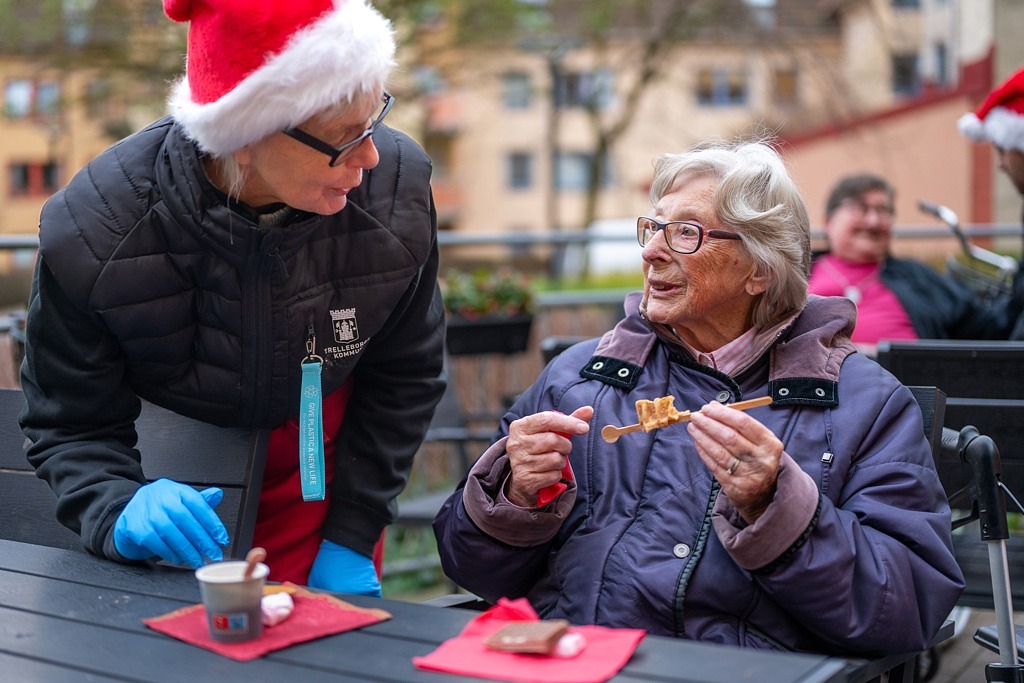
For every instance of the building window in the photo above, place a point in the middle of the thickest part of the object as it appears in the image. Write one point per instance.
(584, 89)
(721, 87)
(33, 180)
(572, 171)
(904, 74)
(518, 93)
(24, 98)
(48, 98)
(77, 29)
(784, 88)
(941, 69)
(429, 80)
(19, 180)
(520, 170)
(50, 179)
(18, 99)
(762, 12)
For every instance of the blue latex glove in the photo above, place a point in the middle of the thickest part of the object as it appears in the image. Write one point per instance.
(337, 568)
(171, 521)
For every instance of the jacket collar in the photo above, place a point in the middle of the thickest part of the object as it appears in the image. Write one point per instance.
(199, 207)
(803, 366)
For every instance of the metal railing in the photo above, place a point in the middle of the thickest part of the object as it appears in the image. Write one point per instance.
(566, 237)
(906, 231)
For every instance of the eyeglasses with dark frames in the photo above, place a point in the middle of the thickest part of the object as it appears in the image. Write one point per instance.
(682, 237)
(342, 152)
(862, 208)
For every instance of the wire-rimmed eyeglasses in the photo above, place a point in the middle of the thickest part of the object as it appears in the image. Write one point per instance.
(342, 152)
(682, 237)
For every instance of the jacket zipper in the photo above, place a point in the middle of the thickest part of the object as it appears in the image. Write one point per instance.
(257, 364)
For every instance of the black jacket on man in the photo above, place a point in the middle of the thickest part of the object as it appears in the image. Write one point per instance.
(150, 284)
(940, 307)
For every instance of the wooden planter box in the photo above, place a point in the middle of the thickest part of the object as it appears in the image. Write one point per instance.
(488, 334)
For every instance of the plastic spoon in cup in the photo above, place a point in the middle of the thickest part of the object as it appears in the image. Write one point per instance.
(252, 558)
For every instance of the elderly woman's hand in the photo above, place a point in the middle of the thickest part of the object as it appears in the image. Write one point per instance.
(742, 453)
(537, 449)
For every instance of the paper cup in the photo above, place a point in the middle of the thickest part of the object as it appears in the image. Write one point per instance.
(232, 603)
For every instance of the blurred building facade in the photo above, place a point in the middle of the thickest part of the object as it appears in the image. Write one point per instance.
(46, 137)
(848, 85)
(518, 124)
(75, 76)
(961, 50)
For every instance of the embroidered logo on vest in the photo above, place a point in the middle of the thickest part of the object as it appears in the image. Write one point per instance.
(346, 335)
(343, 321)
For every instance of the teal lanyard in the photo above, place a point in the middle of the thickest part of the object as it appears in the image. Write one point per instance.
(311, 426)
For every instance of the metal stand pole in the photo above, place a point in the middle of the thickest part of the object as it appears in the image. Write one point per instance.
(990, 509)
(1007, 670)
(997, 562)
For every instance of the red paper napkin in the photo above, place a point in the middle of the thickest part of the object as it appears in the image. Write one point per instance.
(315, 615)
(606, 652)
(549, 493)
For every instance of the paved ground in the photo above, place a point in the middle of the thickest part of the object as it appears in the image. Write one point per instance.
(963, 660)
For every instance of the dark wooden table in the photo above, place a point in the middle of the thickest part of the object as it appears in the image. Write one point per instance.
(68, 616)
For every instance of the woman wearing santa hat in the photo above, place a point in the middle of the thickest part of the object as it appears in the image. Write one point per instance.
(1000, 121)
(265, 256)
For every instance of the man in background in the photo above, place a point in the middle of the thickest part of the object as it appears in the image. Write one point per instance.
(896, 298)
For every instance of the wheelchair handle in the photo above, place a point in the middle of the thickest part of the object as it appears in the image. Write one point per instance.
(1007, 266)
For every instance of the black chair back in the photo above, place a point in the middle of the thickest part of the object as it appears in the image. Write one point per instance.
(172, 446)
(984, 385)
(971, 552)
(458, 444)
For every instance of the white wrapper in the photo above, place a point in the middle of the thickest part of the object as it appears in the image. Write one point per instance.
(276, 607)
(570, 645)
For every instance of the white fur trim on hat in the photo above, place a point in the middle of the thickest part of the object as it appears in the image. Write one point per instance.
(1002, 127)
(970, 126)
(346, 53)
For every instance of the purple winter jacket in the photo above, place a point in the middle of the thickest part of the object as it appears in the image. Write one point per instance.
(853, 555)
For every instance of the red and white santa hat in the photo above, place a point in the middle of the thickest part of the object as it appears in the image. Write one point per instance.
(254, 68)
(1000, 118)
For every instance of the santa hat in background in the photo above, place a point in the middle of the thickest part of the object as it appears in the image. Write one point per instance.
(1000, 118)
(254, 68)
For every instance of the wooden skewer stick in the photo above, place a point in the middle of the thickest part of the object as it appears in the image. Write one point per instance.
(611, 433)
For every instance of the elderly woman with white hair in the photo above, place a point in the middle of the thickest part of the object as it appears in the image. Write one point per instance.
(817, 523)
(264, 256)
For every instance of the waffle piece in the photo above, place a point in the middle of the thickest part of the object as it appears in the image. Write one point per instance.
(657, 413)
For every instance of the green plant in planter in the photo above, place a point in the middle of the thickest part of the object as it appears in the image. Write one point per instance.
(489, 311)
(498, 292)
